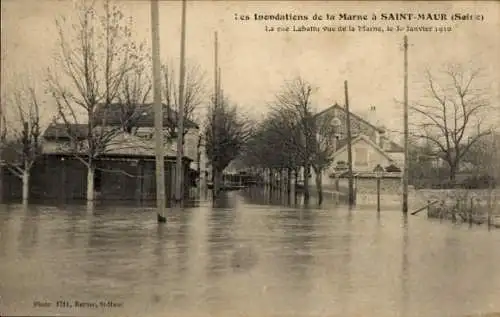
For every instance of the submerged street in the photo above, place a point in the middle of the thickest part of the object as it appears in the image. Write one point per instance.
(243, 258)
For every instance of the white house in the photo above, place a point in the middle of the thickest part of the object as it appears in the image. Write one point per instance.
(370, 146)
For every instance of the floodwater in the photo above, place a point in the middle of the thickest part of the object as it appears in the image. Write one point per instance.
(243, 259)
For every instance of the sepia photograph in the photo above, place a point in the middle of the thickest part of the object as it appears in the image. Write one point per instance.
(199, 158)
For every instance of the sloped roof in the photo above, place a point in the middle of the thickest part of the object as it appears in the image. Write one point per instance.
(343, 145)
(122, 144)
(353, 115)
(143, 115)
(126, 144)
(393, 147)
(61, 131)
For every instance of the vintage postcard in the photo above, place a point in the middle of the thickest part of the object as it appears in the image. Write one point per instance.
(249, 158)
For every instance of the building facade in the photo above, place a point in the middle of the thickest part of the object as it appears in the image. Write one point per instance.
(370, 146)
(124, 168)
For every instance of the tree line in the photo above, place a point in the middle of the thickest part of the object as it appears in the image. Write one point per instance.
(99, 70)
(294, 138)
(100, 73)
(99, 65)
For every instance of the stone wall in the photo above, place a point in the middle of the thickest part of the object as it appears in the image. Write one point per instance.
(369, 185)
(366, 191)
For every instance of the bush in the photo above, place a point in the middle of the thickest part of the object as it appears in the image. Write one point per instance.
(479, 182)
(392, 169)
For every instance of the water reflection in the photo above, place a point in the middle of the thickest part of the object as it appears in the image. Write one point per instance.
(220, 239)
(405, 268)
(344, 265)
(5, 227)
(239, 257)
(28, 234)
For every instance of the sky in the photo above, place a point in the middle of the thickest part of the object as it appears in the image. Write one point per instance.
(255, 63)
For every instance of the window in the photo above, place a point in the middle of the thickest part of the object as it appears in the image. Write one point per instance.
(360, 156)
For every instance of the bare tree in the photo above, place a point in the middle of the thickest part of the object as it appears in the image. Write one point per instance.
(453, 114)
(268, 147)
(21, 135)
(226, 134)
(294, 103)
(273, 147)
(325, 132)
(95, 62)
(484, 156)
(194, 91)
(133, 95)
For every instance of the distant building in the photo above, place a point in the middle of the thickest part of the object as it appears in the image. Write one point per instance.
(126, 168)
(370, 145)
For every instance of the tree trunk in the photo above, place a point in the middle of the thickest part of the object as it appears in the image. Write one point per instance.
(491, 203)
(319, 186)
(26, 185)
(217, 183)
(271, 180)
(307, 170)
(1, 177)
(296, 182)
(289, 181)
(283, 190)
(90, 182)
(453, 172)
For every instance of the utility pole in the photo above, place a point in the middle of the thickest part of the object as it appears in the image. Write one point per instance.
(219, 89)
(181, 111)
(1, 151)
(407, 159)
(215, 109)
(351, 198)
(158, 111)
(216, 69)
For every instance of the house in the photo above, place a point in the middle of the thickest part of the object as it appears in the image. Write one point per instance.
(126, 168)
(138, 120)
(370, 145)
(366, 155)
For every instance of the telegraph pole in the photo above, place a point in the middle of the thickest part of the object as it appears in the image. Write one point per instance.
(1, 151)
(214, 111)
(219, 88)
(181, 110)
(158, 111)
(349, 147)
(406, 159)
(216, 69)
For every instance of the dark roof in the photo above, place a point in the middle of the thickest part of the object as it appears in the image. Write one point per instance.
(60, 131)
(143, 115)
(394, 147)
(341, 143)
(336, 106)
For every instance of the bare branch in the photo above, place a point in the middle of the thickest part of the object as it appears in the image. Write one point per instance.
(452, 119)
(104, 67)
